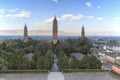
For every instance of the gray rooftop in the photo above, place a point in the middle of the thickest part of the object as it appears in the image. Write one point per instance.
(29, 56)
(78, 56)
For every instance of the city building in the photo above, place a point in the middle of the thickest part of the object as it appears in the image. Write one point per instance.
(112, 49)
(55, 31)
(25, 34)
(112, 58)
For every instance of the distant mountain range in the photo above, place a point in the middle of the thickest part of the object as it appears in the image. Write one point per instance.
(33, 32)
(49, 32)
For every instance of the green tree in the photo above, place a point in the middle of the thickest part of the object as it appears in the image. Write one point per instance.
(35, 58)
(50, 57)
(90, 63)
(25, 64)
(74, 64)
(14, 58)
(43, 64)
(3, 64)
(85, 49)
(63, 61)
(79, 49)
(11, 58)
(84, 63)
(94, 63)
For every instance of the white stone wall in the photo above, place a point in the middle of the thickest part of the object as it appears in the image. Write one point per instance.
(117, 60)
(109, 58)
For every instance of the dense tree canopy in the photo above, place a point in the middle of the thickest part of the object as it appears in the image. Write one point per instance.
(43, 63)
(13, 54)
(63, 60)
(74, 64)
(90, 63)
(75, 45)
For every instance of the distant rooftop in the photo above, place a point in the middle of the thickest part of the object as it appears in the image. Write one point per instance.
(78, 56)
(113, 55)
(29, 56)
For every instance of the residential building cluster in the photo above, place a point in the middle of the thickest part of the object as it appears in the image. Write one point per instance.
(108, 51)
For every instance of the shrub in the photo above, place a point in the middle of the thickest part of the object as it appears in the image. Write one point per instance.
(84, 70)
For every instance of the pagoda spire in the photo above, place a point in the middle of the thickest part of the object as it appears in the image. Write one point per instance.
(25, 33)
(83, 31)
(55, 30)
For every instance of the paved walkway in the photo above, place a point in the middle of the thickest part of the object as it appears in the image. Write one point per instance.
(55, 67)
(55, 76)
(55, 73)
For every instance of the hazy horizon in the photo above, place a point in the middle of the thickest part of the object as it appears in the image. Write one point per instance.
(49, 32)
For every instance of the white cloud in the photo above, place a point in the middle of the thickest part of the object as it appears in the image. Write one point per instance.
(13, 10)
(23, 14)
(77, 17)
(48, 21)
(45, 23)
(56, 1)
(90, 17)
(100, 18)
(1, 16)
(14, 13)
(2, 10)
(65, 17)
(70, 16)
(88, 4)
(117, 18)
(99, 7)
(8, 10)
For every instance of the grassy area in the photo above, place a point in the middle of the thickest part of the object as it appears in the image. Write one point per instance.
(24, 71)
(84, 70)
